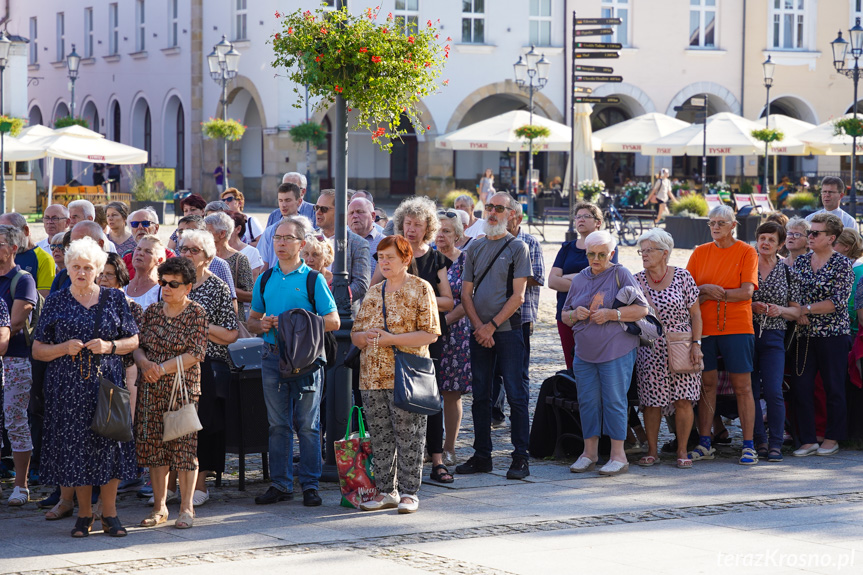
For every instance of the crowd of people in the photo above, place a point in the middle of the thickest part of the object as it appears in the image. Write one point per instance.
(112, 301)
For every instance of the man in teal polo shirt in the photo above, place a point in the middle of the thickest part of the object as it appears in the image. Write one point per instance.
(299, 400)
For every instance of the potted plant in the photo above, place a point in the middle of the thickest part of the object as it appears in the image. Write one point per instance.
(530, 133)
(66, 121)
(634, 194)
(849, 127)
(590, 188)
(688, 224)
(310, 132)
(218, 129)
(11, 125)
(147, 196)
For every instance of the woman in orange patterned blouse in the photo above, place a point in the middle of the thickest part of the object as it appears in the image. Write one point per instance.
(398, 436)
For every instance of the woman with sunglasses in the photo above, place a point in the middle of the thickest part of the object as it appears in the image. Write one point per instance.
(823, 340)
(237, 201)
(174, 329)
(58, 250)
(148, 254)
(118, 232)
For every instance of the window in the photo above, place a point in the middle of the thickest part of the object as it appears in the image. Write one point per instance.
(148, 136)
(856, 10)
(88, 32)
(34, 41)
(173, 23)
(473, 21)
(240, 13)
(617, 9)
(540, 22)
(61, 37)
(788, 18)
(140, 27)
(702, 23)
(113, 29)
(407, 15)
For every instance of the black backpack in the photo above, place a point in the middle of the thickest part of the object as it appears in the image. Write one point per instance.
(330, 345)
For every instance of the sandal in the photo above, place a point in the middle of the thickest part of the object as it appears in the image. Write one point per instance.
(748, 456)
(184, 521)
(113, 527)
(441, 474)
(701, 452)
(774, 455)
(62, 510)
(761, 450)
(155, 518)
(684, 463)
(648, 461)
(82, 527)
(722, 438)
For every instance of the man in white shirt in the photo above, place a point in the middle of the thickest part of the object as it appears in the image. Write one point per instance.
(82, 211)
(474, 229)
(56, 220)
(832, 190)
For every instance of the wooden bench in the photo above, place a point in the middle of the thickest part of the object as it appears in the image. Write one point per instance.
(644, 218)
(550, 213)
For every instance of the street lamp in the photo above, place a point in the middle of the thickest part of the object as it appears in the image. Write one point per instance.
(531, 67)
(5, 44)
(768, 67)
(73, 60)
(840, 48)
(224, 61)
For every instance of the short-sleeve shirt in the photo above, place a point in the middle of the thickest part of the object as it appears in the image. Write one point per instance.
(779, 287)
(253, 255)
(24, 290)
(491, 295)
(39, 264)
(288, 291)
(571, 259)
(833, 281)
(729, 268)
(530, 307)
(847, 220)
(411, 308)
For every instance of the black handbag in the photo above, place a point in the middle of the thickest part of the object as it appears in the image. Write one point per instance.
(415, 388)
(113, 417)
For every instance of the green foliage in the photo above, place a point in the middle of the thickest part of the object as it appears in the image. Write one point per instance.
(144, 192)
(768, 135)
(801, 200)
(693, 204)
(218, 129)
(14, 125)
(746, 187)
(381, 72)
(310, 132)
(448, 200)
(531, 132)
(67, 121)
(634, 194)
(848, 126)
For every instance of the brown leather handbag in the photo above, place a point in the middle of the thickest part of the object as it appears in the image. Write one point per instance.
(679, 345)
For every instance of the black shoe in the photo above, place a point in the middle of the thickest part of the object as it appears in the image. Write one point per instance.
(273, 495)
(51, 500)
(498, 423)
(311, 498)
(475, 464)
(519, 468)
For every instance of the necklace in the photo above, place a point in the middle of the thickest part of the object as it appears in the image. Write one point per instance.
(89, 295)
(659, 281)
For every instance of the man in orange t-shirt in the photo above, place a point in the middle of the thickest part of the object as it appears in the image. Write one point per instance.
(726, 272)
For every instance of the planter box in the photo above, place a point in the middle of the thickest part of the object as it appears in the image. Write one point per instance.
(791, 212)
(746, 227)
(159, 206)
(688, 232)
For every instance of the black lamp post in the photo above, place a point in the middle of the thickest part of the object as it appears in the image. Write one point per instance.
(840, 48)
(529, 67)
(5, 44)
(73, 61)
(224, 61)
(768, 66)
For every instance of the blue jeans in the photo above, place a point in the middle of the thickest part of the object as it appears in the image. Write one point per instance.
(507, 353)
(602, 401)
(286, 404)
(497, 395)
(767, 380)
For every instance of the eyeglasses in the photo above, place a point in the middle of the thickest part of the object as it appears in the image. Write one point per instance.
(447, 214)
(496, 208)
(648, 251)
(108, 275)
(379, 218)
(285, 238)
(597, 256)
(229, 199)
(718, 224)
(56, 246)
(142, 223)
(193, 251)
(171, 284)
(585, 217)
(814, 233)
(52, 218)
(322, 209)
(795, 235)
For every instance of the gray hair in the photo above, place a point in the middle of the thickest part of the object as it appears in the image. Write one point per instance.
(297, 175)
(456, 223)
(92, 230)
(202, 237)
(798, 223)
(464, 217)
(221, 222)
(217, 206)
(601, 238)
(660, 238)
(301, 225)
(465, 198)
(151, 214)
(63, 209)
(86, 207)
(723, 211)
(88, 250)
(419, 207)
(157, 244)
(513, 203)
(11, 235)
(57, 238)
(15, 219)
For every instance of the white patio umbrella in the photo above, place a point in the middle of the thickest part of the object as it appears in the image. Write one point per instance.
(790, 145)
(822, 141)
(582, 166)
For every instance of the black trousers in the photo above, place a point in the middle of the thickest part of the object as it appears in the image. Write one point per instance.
(829, 357)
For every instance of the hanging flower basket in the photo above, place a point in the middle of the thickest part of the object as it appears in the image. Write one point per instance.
(590, 188)
(217, 129)
(381, 72)
(67, 121)
(531, 132)
(310, 132)
(11, 126)
(849, 127)
(768, 135)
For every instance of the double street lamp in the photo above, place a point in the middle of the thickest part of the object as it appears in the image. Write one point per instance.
(840, 53)
(5, 44)
(224, 61)
(531, 71)
(768, 66)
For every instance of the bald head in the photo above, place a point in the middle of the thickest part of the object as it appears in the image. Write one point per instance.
(361, 216)
(88, 229)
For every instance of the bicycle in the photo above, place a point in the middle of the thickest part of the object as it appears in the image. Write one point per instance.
(614, 222)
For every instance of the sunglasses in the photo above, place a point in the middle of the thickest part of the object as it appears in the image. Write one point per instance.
(142, 223)
(171, 284)
(380, 218)
(193, 251)
(56, 246)
(814, 233)
(229, 199)
(322, 209)
(718, 224)
(596, 256)
(496, 208)
(447, 214)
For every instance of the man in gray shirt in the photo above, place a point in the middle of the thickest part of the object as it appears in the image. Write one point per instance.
(495, 275)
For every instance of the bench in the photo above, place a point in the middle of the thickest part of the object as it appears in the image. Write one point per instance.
(644, 218)
(551, 213)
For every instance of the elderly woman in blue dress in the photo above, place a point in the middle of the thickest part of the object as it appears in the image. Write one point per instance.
(604, 351)
(78, 351)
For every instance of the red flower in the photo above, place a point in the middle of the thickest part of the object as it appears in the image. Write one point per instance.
(338, 89)
(390, 16)
(446, 82)
(278, 15)
(323, 30)
(363, 50)
(290, 30)
(376, 59)
(428, 127)
(428, 64)
(384, 30)
(429, 23)
(448, 39)
(378, 133)
(278, 36)
(319, 57)
(411, 39)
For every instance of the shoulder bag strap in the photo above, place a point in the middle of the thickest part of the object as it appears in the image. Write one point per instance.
(96, 325)
(384, 303)
(491, 264)
(311, 280)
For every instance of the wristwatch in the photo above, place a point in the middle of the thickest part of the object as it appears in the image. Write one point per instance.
(809, 309)
(698, 341)
(113, 347)
(618, 314)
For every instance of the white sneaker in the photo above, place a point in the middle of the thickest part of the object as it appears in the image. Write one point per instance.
(200, 497)
(172, 497)
(20, 496)
(411, 506)
(389, 501)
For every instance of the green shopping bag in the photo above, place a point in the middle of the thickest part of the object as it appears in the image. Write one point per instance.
(354, 463)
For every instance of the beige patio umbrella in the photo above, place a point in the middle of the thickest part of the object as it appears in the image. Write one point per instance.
(582, 166)
(822, 140)
(790, 145)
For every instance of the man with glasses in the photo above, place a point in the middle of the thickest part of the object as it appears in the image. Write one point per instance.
(496, 271)
(292, 405)
(832, 192)
(726, 271)
(56, 220)
(358, 264)
(302, 207)
(290, 199)
(361, 221)
(474, 229)
(143, 222)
